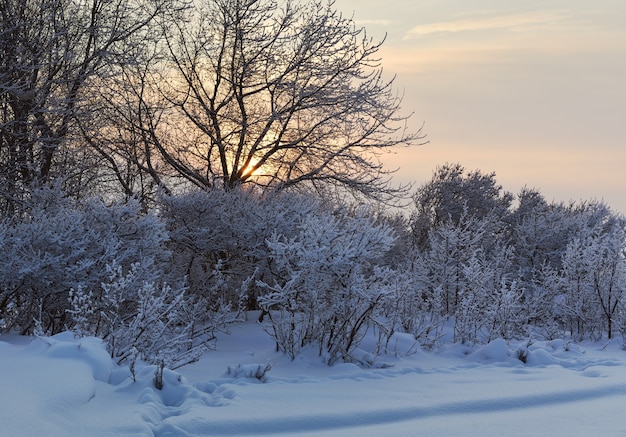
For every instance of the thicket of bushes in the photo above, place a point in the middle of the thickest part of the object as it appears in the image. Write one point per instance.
(157, 284)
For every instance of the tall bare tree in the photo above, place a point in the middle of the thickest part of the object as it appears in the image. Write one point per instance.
(280, 94)
(124, 134)
(51, 51)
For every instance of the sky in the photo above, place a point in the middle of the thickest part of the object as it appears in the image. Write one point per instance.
(534, 91)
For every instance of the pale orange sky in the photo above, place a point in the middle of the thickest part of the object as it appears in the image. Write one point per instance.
(533, 90)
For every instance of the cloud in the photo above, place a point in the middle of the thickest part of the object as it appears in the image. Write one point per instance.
(515, 21)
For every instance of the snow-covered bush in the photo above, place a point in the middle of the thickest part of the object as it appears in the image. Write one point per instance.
(142, 320)
(407, 308)
(218, 238)
(451, 248)
(468, 274)
(593, 280)
(62, 245)
(490, 304)
(329, 283)
(249, 371)
(453, 196)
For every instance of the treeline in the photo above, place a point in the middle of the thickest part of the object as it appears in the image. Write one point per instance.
(537, 268)
(464, 259)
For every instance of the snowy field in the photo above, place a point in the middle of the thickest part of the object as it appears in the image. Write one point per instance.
(62, 386)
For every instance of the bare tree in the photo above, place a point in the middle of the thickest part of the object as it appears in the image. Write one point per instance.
(51, 51)
(124, 134)
(280, 94)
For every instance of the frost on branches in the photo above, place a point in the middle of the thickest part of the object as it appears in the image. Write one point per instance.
(141, 320)
(218, 238)
(328, 284)
(60, 245)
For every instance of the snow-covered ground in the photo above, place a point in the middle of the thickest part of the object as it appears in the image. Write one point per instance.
(62, 386)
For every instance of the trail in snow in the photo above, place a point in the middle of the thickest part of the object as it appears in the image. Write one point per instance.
(342, 421)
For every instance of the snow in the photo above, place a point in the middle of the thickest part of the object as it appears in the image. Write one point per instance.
(63, 386)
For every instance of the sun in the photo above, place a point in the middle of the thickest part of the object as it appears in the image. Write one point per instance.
(250, 170)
